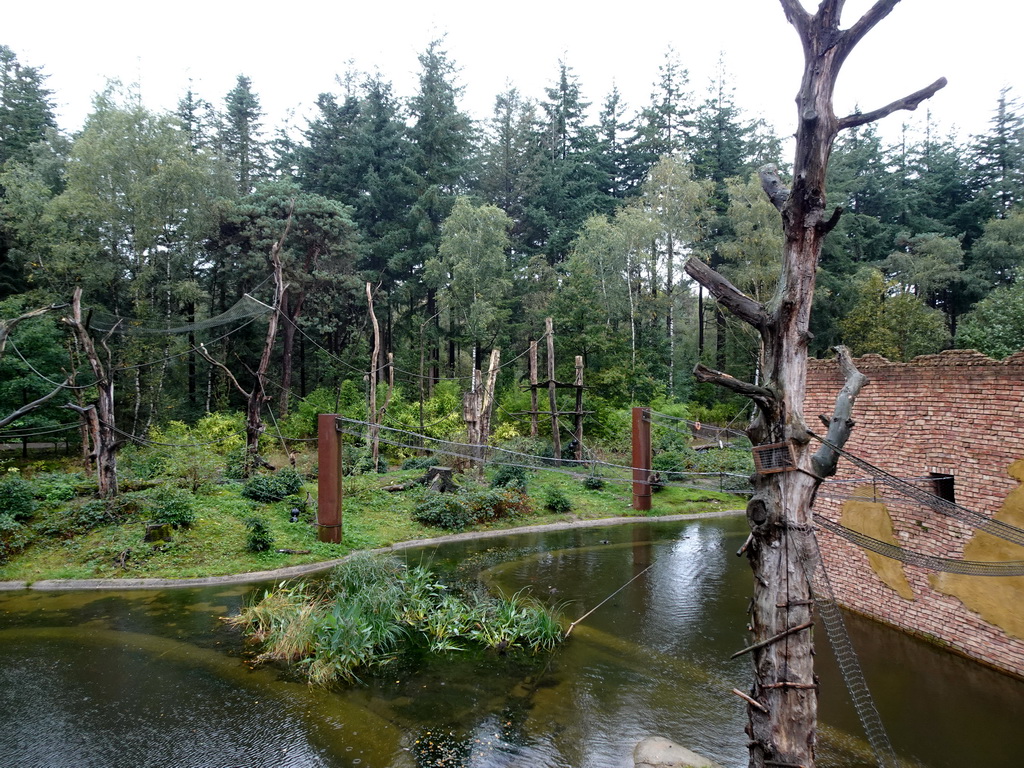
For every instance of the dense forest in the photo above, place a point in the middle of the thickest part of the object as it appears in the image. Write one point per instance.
(161, 243)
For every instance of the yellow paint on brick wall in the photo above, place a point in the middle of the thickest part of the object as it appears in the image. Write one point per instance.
(872, 519)
(997, 600)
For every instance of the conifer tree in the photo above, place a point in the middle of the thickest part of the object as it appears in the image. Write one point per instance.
(241, 135)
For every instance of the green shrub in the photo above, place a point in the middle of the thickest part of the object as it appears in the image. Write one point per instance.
(470, 506)
(259, 537)
(90, 514)
(173, 506)
(733, 460)
(681, 459)
(364, 465)
(56, 487)
(302, 422)
(510, 476)
(18, 497)
(593, 482)
(234, 465)
(267, 489)
(419, 462)
(556, 501)
(13, 536)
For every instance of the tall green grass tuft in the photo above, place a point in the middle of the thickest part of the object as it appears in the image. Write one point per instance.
(372, 607)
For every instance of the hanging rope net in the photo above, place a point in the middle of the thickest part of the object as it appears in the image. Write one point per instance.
(898, 491)
(846, 657)
(243, 309)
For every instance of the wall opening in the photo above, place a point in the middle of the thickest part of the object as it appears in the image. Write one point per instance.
(942, 486)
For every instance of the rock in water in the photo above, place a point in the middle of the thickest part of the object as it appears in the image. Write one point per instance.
(657, 752)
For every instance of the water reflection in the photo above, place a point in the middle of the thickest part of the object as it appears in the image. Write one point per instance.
(94, 680)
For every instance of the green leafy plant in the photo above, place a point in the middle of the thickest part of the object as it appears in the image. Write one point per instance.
(470, 506)
(267, 489)
(419, 462)
(173, 506)
(556, 501)
(56, 487)
(18, 497)
(259, 538)
(593, 482)
(13, 536)
(510, 476)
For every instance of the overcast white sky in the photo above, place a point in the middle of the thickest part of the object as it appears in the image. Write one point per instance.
(292, 50)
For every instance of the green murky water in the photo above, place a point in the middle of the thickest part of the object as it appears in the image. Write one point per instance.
(133, 679)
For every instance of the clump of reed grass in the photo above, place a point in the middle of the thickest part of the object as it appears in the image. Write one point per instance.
(372, 606)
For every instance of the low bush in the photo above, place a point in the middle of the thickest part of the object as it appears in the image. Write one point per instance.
(13, 536)
(56, 487)
(90, 514)
(470, 506)
(556, 501)
(593, 482)
(419, 462)
(18, 497)
(173, 506)
(267, 489)
(259, 538)
(510, 476)
(680, 459)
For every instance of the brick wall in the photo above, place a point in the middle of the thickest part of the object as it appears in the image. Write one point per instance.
(958, 413)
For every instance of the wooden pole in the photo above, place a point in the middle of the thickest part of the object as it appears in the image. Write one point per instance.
(534, 426)
(487, 402)
(641, 459)
(579, 407)
(556, 440)
(471, 413)
(329, 484)
(374, 358)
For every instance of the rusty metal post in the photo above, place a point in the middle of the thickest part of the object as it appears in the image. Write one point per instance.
(329, 488)
(641, 459)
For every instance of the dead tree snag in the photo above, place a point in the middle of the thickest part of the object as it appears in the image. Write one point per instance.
(783, 712)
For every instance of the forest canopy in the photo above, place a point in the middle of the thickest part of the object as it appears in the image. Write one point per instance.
(471, 233)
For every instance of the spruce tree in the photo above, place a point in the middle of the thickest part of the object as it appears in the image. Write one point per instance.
(241, 135)
(26, 107)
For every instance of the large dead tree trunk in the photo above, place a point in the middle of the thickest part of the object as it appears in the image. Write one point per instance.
(98, 416)
(783, 698)
(257, 397)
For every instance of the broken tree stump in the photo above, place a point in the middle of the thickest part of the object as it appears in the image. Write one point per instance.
(436, 478)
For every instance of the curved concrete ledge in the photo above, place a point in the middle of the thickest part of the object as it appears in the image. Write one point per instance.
(291, 572)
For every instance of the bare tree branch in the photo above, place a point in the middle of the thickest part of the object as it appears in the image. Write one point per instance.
(28, 408)
(910, 103)
(201, 349)
(866, 23)
(731, 297)
(764, 398)
(795, 14)
(841, 425)
(833, 220)
(7, 326)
